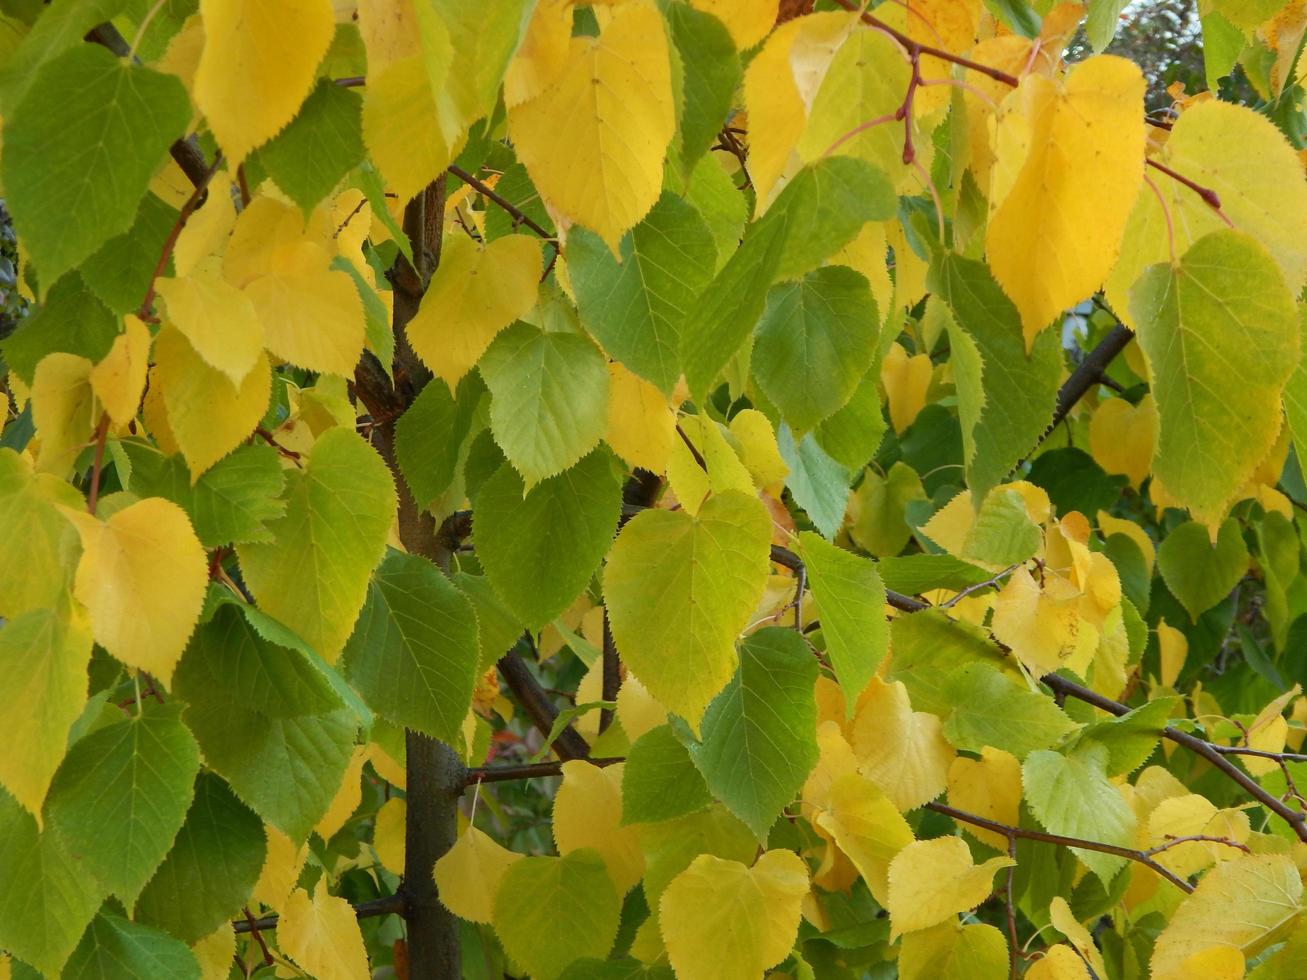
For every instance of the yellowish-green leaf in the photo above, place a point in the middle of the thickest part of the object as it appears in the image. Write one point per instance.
(119, 379)
(39, 549)
(321, 934)
(932, 880)
(588, 813)
(867, 827)
(902, 751)
(63, 409)
(468, 875)
(952, 951)
(218, 320)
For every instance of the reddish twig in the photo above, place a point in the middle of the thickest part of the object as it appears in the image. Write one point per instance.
(169, 243)
(97, 464)
(258, 936)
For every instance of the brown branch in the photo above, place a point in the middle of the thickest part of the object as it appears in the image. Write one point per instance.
(169, 243)
(1196, 838)
(612, 677)
(517, 214)
(1209, 196)
(97, 464)
(258, 935)
(363, 910)
(1010, 833)
(530, 770)
(532, 697)
(1259, 753)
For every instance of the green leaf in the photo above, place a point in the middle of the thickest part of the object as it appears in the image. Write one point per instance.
(623, 969)
(1103, 18)
(549, 398)
(376, 317)
(636, 305)
(1295, 394)
(660, 781)
(1222, 337)
(497, 628)
(852, 435)
(541, 550)
(121, 795)
(71, 318)
(516, 186)
(1198, 573)
(209, 874)
(80, 150)
(819, 484)
(48, 899)
(721, 205)
(537, 893)
(851, 603)
(60, 27)
(1070, 795)
(816, 340)
(323, 142)
(990, 708)
(313, 574)
(1131, 738)
(679, 589)
(1006, 398)
(113, 947)
(915, 574)
(928, 646)
(429, 436)
(711, 75)
(414, 654)
(121, 271)
(818, 213)
(760, 734)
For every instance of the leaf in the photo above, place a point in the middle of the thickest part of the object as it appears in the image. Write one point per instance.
(747, 21)
(636, 303)
(1221, 334)
(429, 437)
(819, 484)
(1006, 397)
(313, 575)
(851, 603)
(611, 105)
(469, 873)
(41, 922)
(63, 409)
(81, 147)
(321, 145)
(1123, 437)
(902, 751)
(928, 646)
(1131, 738)
(565, 524)
(413, 654)
(990, 709)
(815, 341)
(44, 654)
(1070, 155)
(249, 82)
(410, 156)
(70, 319)
(549, 399)
(39, 548)
(724, 920)
(660, 781)
(989, 787)
(1199, 573)
(760, 734)
(122, 794)
(217, 319)
(536, 893)
(930, 881)
(119, 271)
(867, 827)
(641, 424)
(142, 577)
(321, 934)
(588, 814)
(191, 389)
(1264, 888)
(211, 869)
(312, 318)
(115, 947)
(473, 295)
(705, 574)
(951, 951)
(119, 380)
(711, 76)
(1070, 795)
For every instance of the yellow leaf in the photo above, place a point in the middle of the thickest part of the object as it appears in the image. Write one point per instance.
(388, 834)
(387, 767)
(868, 253)
(281, 868)
(542, 55)
(641, 424)
(474, 294)
(947, 24)
(1189, 815)
(687, 477)
(588, 813)
(271, 237)
(259, 64)
(835, 758)
(206, 231)
(405, 128)
(637, 710)
(142, 577)
(759, 451)
(217, 318)
(1067, 924)
(208, 416)
(214, 953)
(1058, 963)
(1215, 963)
(747, 20)
(1110, 525)
(468, 875)
(322, 935)
(724, 921)
(612, 110)
(1075, 151)
(903, 751)
(932, 880)
(389, 29)
(988, 787)
(1043, 630)
(1263, 890)
(1173, 649)
(906, 378)
(313, 320)
(347, 798)
(119, 380)
(867, 827)
(63, 410)
(1122, 437)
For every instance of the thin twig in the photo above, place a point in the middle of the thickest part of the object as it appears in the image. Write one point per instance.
(970, 589)
(1195, 838)
(518, 215)
(97, 464)
(257, 934)
(192, 202)
(363, 910)
(529, 770)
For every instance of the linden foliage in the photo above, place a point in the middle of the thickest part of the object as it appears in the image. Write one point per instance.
(738, 332)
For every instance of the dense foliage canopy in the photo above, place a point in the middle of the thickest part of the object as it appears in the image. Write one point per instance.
(691, 488)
